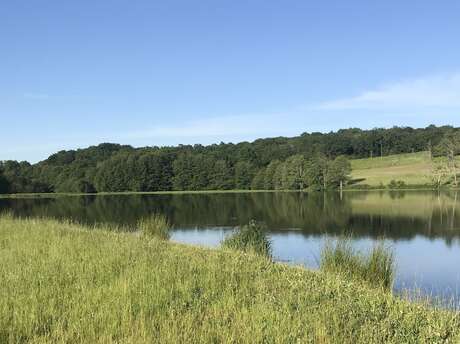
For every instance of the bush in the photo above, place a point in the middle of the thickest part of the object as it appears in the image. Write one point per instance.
(377, 267)
(396, 184)
(251, 238)
(155, 226)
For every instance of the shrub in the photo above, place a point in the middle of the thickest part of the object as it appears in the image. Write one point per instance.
(377, 267)
(155, 226)
(396, 184)
(250, 238)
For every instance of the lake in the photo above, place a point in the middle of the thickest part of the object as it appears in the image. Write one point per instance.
(422, 227)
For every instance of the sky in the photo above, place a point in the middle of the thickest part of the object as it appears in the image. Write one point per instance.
(155, 73)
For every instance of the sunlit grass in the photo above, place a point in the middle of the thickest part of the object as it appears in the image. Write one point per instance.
(414, 169)
(391, 160)
(63, 283)
(376, 267)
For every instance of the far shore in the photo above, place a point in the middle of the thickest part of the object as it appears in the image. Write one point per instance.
(126, 193)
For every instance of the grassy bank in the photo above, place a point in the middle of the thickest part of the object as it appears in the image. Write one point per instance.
(64, 283)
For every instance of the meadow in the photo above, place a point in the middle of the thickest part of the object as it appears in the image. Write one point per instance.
(414, 169)
(64, 283)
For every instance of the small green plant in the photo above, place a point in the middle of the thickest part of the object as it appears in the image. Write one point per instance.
(377, 267)
(155, 226)
(250, 238)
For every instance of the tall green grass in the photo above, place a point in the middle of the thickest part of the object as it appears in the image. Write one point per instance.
(251, 238)
(65, 283)
(155, 226)
(376, 267)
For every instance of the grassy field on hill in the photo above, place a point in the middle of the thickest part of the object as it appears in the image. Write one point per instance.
(412, 168)
(63, 283)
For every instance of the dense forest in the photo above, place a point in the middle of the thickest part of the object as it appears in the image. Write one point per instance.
(311, 160)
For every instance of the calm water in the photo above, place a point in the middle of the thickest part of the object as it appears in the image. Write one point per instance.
(422, 227)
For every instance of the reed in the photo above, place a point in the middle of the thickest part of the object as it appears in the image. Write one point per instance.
(155, 226)
(376, 267)
(251, 238)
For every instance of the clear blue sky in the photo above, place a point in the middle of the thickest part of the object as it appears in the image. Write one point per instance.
(77, 73)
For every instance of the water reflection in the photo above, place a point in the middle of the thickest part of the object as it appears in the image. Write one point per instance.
(395, 215)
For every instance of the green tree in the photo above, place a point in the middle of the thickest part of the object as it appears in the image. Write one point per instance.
(244, 172)
(339, 171)
(4, 185)
(439, 173)
(450, 147)
(193, 172)
(182, 169)
(280, 178)
(114, 175)
(317, 172)
(221, 177)
(259, 180)
(295, 172)
(269, 175)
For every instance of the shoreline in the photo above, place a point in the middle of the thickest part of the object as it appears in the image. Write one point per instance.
(204, 192)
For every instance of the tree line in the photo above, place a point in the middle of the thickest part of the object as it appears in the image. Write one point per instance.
(311, 160)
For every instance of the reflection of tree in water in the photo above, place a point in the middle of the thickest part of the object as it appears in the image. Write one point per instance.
(378, 214)
(277, 210)
(446, 213)
(396, 194)
(314, 212)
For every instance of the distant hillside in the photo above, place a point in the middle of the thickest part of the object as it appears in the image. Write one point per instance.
(412, 169)
(305, 161)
